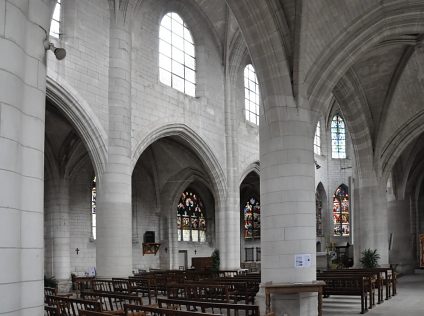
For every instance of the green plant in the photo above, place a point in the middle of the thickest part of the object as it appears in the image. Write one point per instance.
(50, 282)
(215, 260)
(369, 258)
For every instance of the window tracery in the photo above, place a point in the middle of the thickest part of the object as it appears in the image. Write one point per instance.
(338, 137)
(251, 95)
(56, 20)
(341, 215)
(252, 219)
(191, 220)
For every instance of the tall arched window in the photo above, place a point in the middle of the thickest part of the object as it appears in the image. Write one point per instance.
(177, 63)
(341, 217)
(252, 219)
(93, 209)
(55, 23)
(338, 137)
(251, 94)
(318, 209)
(191, 221)
(317, 140)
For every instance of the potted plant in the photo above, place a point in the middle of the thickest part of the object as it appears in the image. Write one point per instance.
(369, 258)
(50, 282)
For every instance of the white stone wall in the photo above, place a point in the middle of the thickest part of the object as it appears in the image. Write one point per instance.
(85, 36)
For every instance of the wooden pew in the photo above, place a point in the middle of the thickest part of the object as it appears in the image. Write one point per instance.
(90, 313)
(213, 307)
(199, 292)
(145, 286)
(51, 310)
(346, 285)
(100, 285)
(372, 282)
(113, 302)
(135, 310)
(71, 306)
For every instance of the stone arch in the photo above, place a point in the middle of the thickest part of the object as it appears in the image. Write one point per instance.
(402, 138)
(253, 167)
(267, 52)
(82, 117)
(189, 12)
(378, 25)
(197, 144)
(355, 111)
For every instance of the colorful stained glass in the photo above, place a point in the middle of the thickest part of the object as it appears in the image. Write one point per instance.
(252, 219)
(318, 204)
(93, 209)
(341, 217)
(191, 221)
(338, 137)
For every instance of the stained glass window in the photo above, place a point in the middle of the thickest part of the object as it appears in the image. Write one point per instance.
(93, 209)
(338, 137)
(55, 22)
(177, 62)
(191, 221)
(252, 219)
(341, 217)
(251, 94)
(317, 140)
(318, 204)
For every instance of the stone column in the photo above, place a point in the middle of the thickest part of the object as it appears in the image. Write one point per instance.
(371, 224)
(400, 224)
(287, 203)
(114, 228)
(23, 29)
(57, 209)
(228, 229)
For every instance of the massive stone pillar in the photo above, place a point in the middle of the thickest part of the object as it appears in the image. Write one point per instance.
(58, 236)
(23, 29)
(401, 223)
(288, 204)
(114, 228)
(370, 218)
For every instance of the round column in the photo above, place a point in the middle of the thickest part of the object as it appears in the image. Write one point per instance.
(114, 226)
(23, 29)
(288, 204)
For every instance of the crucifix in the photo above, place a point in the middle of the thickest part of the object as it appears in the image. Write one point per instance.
(77, 250)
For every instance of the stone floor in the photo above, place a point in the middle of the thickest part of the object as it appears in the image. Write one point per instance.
(408, 302)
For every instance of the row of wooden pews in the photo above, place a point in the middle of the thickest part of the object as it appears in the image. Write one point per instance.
(188, 293)
(360, 282)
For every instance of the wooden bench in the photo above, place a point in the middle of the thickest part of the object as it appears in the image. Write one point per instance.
(71, 306)
(112, 301)
(213, 307)
(199, 292)
(136, 310)
(372, 282)
(346, 285)
(100, 285)
(90, 313)
(52, 310)
(145, 286)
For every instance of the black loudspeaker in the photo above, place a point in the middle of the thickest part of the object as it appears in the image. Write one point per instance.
(149, 237)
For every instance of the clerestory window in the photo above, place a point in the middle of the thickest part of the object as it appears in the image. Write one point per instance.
(177, 62)
(56, 20)
(251, 95)
(338, 137)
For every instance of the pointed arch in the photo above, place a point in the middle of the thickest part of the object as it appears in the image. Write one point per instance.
(385, 21)
(82, 117)
(197, 144)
